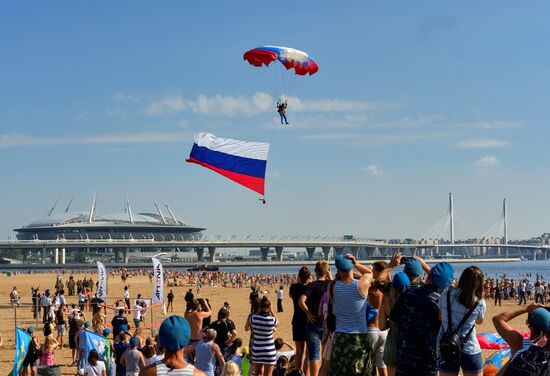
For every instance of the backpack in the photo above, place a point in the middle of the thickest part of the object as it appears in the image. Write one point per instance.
(450, 345)
(535, 361)
(33, 352)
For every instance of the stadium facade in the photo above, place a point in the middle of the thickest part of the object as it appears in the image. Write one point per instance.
(154, 226)
(91, 225)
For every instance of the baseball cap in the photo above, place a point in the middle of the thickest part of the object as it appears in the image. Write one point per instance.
(31, 329)
(133, 342)
(413, 268)
(123, 328)
(343, 264)
(87, 324)
(174, 333)
(106, 332)
(401, 281)
(442, 275)
(540, 317)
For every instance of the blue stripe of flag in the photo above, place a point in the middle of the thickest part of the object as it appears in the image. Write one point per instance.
(241, 165)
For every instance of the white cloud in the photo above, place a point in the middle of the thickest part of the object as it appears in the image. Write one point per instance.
(336, 105)
(377, 138)
(481, 143)
(220, 105)
(487, 161)
(121, 97)
(168, 104)
(373, 170)
(230, 106)
(487, 125)
(18, 140)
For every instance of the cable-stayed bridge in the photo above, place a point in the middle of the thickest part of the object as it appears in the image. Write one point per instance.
(439, 242)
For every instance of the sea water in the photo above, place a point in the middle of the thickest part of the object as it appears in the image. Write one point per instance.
(510, 270)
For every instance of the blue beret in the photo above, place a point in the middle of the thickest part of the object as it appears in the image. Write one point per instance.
(540, 317)
(413, 268)
(133, 342)
(174, 333)
(401, 281)
(343, 264)
(442, 275)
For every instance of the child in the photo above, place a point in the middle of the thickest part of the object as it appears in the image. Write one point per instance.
(281, 366)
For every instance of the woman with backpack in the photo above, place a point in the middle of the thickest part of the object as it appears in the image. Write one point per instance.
(461, 309)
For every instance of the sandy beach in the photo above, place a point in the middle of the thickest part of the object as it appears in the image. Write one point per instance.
(237, 297)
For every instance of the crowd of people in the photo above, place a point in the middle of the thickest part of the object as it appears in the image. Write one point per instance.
(364, 320)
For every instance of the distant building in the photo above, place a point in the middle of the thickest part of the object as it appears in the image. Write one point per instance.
(91, 225)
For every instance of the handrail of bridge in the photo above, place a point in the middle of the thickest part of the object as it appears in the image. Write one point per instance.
(249, 242)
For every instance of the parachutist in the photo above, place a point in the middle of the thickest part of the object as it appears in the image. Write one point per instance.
(262, 200)
(281, 109)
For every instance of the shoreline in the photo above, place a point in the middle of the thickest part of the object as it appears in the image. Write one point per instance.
(222, 264)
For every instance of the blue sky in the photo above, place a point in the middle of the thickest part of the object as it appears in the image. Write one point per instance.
(412, 100)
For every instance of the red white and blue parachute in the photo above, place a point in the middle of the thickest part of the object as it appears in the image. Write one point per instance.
(290, 58)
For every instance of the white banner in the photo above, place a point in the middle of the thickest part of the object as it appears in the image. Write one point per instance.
(158, 282)
(101, 282)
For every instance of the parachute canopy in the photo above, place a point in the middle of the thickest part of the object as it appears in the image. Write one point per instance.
(241, 161)
(291, 58)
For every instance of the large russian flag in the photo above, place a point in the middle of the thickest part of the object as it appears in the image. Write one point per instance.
(241, 161)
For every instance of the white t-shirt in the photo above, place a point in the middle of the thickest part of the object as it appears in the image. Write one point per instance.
(137, 314)
(126, 294)
(280, 294)
(96, 370)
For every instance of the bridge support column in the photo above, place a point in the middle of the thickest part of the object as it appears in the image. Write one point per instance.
(279, 253)
(338, 251)
(534, 255)
(56, 259)
(414, 251)
(265, 252)
(370, 251)
(212, 253)
(506, 252)
(326, 252)
(200, 253)
(126, 255)
(63, 256)
(310, 252)
(355, 251)
(44, 255)
(25, 255)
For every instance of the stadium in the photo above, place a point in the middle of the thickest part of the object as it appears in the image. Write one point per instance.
(91, 225)
(83, 225)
